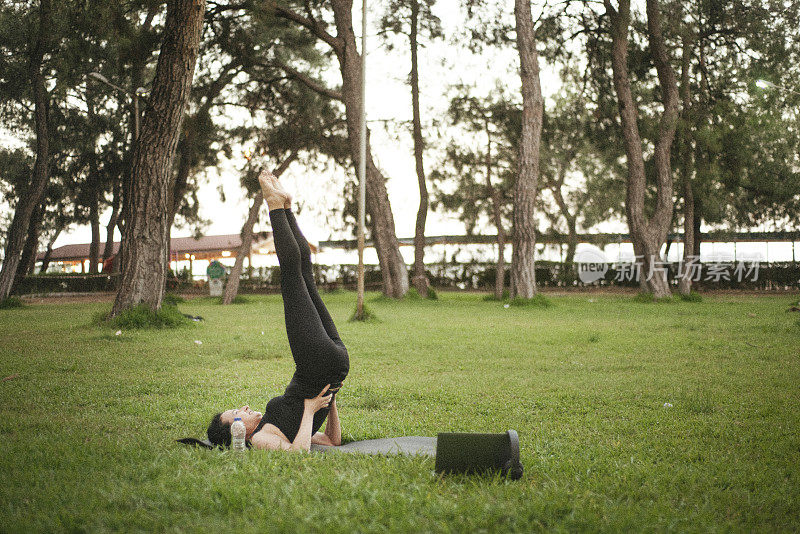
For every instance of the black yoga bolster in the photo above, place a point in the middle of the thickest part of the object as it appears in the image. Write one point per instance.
(477, 453)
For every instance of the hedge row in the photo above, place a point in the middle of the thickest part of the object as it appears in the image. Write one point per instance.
(475, 275)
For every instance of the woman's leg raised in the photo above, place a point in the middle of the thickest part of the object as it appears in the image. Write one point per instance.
(308, 276)
(308, 339)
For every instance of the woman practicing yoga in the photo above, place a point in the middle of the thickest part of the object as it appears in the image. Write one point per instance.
(291, 421)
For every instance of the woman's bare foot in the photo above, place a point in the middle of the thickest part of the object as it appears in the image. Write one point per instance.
(279, 187)
(274, 197)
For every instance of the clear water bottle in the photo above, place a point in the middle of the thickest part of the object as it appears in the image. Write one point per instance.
(238, 433)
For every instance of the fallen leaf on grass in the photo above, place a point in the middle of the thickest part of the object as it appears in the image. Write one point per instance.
(11, 377)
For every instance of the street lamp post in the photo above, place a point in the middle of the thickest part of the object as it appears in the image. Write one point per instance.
(134, 97)
(362, 165)
(139, 91)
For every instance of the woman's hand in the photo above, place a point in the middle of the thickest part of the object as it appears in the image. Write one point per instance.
(319, 402)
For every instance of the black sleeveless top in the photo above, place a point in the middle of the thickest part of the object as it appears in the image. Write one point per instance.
(286, 411)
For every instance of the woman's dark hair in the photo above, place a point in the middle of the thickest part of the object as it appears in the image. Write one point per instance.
(219, 433)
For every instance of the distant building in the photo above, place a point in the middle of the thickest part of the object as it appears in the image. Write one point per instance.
(183, 252)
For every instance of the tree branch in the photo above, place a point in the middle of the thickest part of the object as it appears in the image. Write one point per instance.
(311, 83)
(312, 24)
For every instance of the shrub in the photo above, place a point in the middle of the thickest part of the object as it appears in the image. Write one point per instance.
(11, 302)
(369, 316)
(412, 294)
(432, 294)
(142, 316)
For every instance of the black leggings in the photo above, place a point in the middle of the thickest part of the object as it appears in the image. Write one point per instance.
(319, 355)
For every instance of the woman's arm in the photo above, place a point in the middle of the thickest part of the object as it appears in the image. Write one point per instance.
(333, 433)
(333, 428)
(302, 441)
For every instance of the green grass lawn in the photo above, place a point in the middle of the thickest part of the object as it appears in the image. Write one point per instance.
(88, 426)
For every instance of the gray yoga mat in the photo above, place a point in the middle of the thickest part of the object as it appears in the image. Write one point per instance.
(454, 452)
(419, 445)
(416, 445)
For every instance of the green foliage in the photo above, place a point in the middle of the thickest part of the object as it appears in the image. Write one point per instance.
(412, 294)
(142, 317)
(537, 301)
(11, 302)
(432, 294)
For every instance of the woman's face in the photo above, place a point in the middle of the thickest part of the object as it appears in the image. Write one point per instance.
(249, 417)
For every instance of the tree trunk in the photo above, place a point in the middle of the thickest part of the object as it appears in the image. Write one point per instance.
(49, 251)
(420, 279)
(145, 238)
(176, 192)
(178, 189)
(497, 215)
(32, 196)
(685, 282)
(572, 241)
(93, 184)
(94, 218)
(232, 286)
(572, 220)
(28, 259)
(138, 65)
(393, 268)
(698, 220)
(647, 235)
(108, 250)
(523, 266)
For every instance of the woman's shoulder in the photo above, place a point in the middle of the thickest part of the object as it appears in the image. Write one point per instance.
(269, 437)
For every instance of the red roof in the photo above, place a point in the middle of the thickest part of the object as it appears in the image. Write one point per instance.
(178, 245)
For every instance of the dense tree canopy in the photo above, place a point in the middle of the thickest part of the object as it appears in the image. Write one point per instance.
(282, 75)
